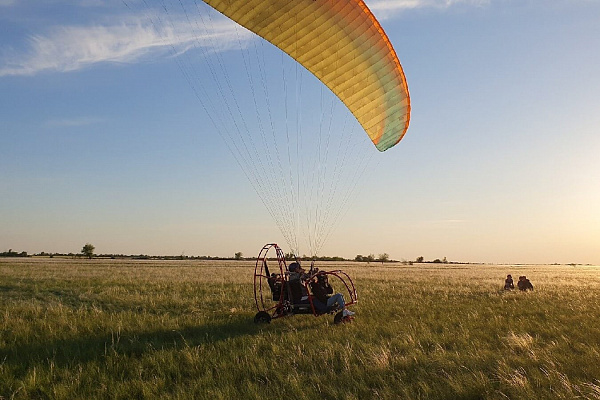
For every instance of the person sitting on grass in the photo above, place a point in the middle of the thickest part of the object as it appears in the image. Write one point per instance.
(325, 299)
(508, 283)
(524, 284)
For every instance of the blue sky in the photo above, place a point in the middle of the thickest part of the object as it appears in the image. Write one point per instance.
(103, 140)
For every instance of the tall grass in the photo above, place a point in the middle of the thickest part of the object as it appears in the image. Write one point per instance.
(148, 329)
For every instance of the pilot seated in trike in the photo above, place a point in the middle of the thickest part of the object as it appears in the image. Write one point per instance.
(323, 300)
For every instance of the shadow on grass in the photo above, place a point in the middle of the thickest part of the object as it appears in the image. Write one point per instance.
(77, 298)
(127, 343)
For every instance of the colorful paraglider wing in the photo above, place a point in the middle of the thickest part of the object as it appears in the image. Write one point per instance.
(344, 46)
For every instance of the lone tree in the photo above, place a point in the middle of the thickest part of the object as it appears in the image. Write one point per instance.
(88, 250)
(238, 255)
(385, 257)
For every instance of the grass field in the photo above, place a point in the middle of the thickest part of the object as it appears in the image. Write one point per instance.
(115, 329)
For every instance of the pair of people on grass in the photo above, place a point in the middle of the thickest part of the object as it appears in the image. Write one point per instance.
(523, 284)
(324, 298)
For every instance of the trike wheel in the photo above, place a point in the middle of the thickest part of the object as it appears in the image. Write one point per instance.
(262, 317)
(338, 317)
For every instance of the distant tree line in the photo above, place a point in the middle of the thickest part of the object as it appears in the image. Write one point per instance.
(293, 257)
(11, 253)
(421, 259)
(88, 251)
(384, 257)
(154, 257)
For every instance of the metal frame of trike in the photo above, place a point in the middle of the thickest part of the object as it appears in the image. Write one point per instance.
(262, 291)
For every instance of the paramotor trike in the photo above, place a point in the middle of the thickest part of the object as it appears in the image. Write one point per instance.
(277, 296)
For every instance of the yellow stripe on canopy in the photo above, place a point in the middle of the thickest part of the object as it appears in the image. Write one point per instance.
(344, 46)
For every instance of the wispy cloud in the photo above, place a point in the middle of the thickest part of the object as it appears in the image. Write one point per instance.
(134, 39)
(73, 122)
(70, 48)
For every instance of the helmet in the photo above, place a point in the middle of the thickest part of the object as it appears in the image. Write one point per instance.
(294, 266)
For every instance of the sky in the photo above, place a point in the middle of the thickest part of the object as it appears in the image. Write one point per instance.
(103, 138)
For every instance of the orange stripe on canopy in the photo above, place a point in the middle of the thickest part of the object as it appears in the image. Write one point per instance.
(345, 47)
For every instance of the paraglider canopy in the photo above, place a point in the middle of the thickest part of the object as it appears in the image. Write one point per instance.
(344, 46)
